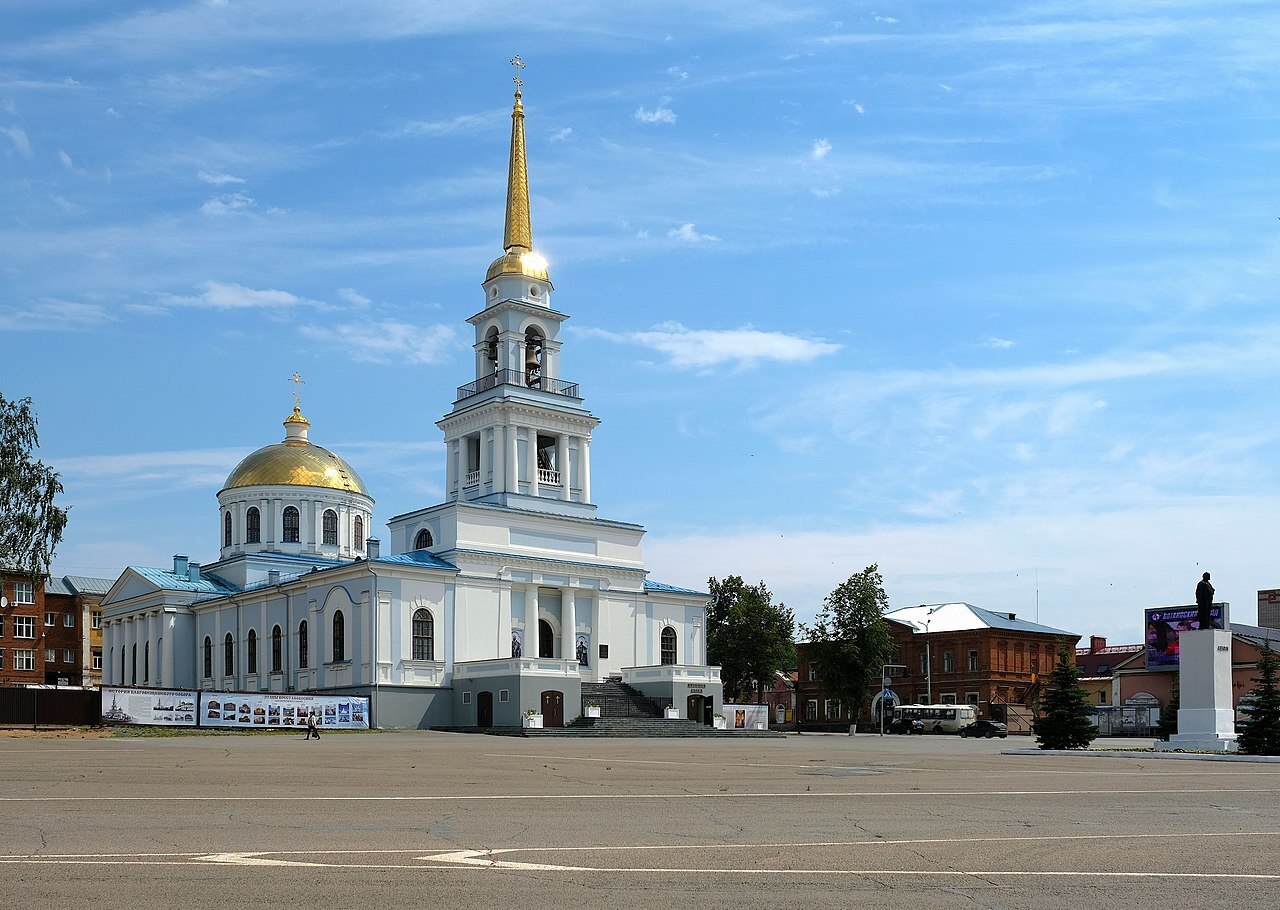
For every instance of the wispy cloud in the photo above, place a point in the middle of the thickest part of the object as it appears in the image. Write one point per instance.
(999, 343)
(218, 179)
(18, 138)
(353, 297)
(387, 341)
(216, 295)
(228, 204)
(662, 113)
(688, 348)
(821, 148)
(54, 316)
(688, 233)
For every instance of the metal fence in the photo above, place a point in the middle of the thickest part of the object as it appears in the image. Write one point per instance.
(23, 707)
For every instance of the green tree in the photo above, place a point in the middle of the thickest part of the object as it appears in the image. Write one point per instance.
(1168, 723)
(849, 639)
(1065, 722)
(1261, 734)
(748, 636)
(32, 523)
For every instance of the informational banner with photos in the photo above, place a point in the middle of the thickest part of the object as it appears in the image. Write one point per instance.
(746, 717)
(251, 710)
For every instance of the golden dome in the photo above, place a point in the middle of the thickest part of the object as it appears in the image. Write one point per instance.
(296, 462)
(516, 261)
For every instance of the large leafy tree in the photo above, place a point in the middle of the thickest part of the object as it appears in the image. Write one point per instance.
(849, 639)
(1261, 735)
(32, 523)
(1064, 722)
(748, 636)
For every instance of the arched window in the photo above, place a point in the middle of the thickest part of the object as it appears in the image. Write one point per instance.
(330, 527)
(228, 655)
(226, 529)
(133, 671)
(290, 525)
(533, 358)
(491, 348)
(146, 661)
(339, 637)
(423, 540)
(253, 526)
(668, 645)
(253, 651)
(277, 650)
(208, 657)
(424, 636)
(302, 644)
(357, 533)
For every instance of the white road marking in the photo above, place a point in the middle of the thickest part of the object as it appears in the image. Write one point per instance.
(561, 797)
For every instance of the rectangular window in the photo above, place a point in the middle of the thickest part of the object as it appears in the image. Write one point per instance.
(68, 620)
(466, 698)
(24, 660)
(833, 709)
(948, 661)
(24, 592)
(971, 698)
(1102, 696)
(49, 655)
(50, 619)
(811, 709)
(24, 627)
(948, 698)
(1, 658)
(924, 661)
(97, 658)
(504, 695)
(96, 619)
(973, 660)
(68, 657)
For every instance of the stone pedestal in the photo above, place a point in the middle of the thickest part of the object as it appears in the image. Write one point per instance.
(1206, 714)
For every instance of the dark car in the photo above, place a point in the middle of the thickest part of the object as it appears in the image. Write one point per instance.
(985, 728)
(905, 725)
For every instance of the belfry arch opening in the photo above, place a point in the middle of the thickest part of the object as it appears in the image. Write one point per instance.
(534, 349)
(491, 349)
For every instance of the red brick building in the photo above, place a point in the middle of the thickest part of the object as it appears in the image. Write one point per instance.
(22, 630)
(954, 653)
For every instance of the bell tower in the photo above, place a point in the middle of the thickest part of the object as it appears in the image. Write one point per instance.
(518, 434)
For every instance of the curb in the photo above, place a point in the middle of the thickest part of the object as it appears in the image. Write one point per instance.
(1162, 756)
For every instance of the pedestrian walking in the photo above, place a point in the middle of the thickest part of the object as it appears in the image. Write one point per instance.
(312, 730)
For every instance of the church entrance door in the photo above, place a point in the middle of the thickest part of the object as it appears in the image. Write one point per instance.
(484, 709)
(552, 708)
(699, 708)
(546, 639)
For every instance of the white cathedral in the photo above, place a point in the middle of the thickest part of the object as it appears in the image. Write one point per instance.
(502, 599)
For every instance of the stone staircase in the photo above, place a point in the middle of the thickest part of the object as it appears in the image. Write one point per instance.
(617, 699)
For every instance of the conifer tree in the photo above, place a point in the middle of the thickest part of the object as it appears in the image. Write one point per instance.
(1065, 719)
(1261, 734)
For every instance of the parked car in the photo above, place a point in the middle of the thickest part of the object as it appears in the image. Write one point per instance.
(985, 728)
(905, 725)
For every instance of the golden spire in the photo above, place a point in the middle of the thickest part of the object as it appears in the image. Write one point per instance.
(518, 234)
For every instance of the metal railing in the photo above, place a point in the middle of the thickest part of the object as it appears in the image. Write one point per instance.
(517, 378)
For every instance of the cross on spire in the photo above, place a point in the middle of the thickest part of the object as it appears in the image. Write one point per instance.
(297, 381)
(518, 64)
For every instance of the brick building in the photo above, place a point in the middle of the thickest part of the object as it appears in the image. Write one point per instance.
(954, 653)
(22, 630)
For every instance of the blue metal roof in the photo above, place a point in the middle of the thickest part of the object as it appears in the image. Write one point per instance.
(417, 558)
(671, 589)
(564, 562)
(85, 584)
(57, 586)
(163, 578)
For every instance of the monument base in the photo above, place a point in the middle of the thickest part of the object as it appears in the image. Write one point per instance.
(1191, 742)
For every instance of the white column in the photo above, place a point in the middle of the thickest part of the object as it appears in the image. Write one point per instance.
(453, 470)
(512, 466)
(484, 460)
(500, 458)
(562, 463)
(569, 618)
(584, 467)
(531, 621)
(533, 460)
(504, 620)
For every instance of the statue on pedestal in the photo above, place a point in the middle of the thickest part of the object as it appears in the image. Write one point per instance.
(1204, 603)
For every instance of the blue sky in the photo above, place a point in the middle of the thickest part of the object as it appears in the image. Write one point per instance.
(983, 293)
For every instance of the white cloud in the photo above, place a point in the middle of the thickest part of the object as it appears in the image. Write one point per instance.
(660, 114)
(1001, 343)
(703, 348)
(388, 341)
(677, 72)
(216, 295)
(688, 234)
(821, 148)
(53, 316)
(944, 86)
(825, 192)
(66, 160)
(350, 295)
(228, 204)
(888, 20)
(218, 179)
(19, 139)
(67, 205)
(561, 135)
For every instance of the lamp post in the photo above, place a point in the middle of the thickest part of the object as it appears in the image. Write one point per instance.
(884, 686)
(928, 664)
